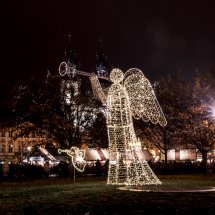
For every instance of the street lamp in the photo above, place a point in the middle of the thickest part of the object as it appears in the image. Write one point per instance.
(211, 112)
(29, 148)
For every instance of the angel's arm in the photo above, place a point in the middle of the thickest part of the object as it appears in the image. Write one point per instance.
(97, 89)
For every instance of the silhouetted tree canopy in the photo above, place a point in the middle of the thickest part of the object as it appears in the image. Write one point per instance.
(39, 104)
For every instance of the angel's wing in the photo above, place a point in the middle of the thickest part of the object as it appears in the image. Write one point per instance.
(142, 98)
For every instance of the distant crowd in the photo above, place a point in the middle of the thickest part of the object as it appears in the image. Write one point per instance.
(96, 168)
(182, 167)
(63, 169)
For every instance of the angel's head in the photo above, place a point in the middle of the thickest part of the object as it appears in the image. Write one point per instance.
(116, 76)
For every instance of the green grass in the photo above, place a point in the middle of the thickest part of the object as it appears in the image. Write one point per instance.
(93, 196)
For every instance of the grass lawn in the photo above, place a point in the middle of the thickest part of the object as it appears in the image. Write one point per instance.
(90, 195)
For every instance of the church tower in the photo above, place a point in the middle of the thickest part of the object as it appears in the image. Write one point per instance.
(70, 59)
(101, 61)
(70, 84)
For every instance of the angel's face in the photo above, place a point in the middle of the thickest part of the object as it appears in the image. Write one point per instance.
(116, 76)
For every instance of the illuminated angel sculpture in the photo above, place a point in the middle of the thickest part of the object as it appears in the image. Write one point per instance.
(131, 94)
(77, 157)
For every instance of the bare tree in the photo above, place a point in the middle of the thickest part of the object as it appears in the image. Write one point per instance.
(39, 103)
(186, 106)
(199, 124)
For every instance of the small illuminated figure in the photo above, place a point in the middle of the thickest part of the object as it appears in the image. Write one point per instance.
(77, 157)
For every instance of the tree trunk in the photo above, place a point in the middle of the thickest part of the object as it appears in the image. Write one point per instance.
(165, 155)
(204, 161)
(165, 146)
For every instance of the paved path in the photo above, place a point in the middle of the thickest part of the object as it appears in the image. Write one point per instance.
(167, 189)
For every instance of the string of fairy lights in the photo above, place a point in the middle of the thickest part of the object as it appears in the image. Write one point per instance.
(97, 89)
(142, 98)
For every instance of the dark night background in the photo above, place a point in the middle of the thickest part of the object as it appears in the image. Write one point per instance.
(159, 37)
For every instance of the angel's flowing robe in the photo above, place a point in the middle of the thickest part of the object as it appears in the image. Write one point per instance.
(126, 163)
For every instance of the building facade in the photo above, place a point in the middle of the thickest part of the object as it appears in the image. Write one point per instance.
(14, 147)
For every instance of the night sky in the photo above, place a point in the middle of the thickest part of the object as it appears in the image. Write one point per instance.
(159, 37)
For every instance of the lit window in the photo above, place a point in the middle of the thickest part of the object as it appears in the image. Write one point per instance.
(3, 133)
(10, 134)
(3, 148)
(10, 148)
(19, 148)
